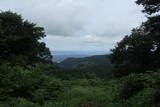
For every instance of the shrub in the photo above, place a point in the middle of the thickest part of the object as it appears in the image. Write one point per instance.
(30, 84)
(130, 86)
(21, 102)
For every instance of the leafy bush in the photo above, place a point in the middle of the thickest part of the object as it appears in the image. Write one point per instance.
(20, 45)
(130, 86)
(30, 84)
(80, 96)
(21, 102)
(136, 90)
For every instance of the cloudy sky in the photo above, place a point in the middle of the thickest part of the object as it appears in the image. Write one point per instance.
(85, 25)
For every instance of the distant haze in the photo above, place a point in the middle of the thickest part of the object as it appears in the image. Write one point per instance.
(59, 56)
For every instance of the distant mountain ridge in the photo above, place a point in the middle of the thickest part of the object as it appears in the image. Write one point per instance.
(59, 56)
(73, 62)
(98, 65)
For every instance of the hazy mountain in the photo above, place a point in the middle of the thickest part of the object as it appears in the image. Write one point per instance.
(59, 56)
(99, 65)
(74, 62)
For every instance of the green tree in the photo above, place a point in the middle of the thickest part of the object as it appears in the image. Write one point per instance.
(132, 54)
(150, 6)
(19, 40)
(140, 51)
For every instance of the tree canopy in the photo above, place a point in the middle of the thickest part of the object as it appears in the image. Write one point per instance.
(150, 6)
(20, 40)
(140, 51)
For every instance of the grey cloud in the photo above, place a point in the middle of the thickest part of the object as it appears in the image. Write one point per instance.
(67, 17)
(106, 20)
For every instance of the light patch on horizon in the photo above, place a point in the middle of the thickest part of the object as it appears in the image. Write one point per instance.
(84, 43)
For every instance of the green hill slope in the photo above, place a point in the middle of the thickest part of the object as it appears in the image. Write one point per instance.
(76, 62)
(98, 66)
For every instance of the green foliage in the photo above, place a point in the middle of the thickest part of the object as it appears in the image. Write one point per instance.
(130, 86)
(19, 41)
(33, 87)
(30, 84)
(150, 6)
(137, 90)
(79, 96)
(139, 51)
(133, 54)
(89, 67)
(20, 102)
(77, 62)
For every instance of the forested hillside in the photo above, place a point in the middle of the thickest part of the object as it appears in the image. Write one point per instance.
(60, 56)
(92, 67)
(29, 78)
(82, 62)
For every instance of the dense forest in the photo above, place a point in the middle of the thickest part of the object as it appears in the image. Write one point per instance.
(128, 77)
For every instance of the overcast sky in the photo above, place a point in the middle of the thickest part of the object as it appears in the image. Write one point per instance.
(80, 24)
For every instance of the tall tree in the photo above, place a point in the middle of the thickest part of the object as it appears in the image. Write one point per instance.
(140, 51)
(150, 6)
(132, 54)
(19, 40)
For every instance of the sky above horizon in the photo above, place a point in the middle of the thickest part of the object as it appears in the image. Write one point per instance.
(80, 25)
